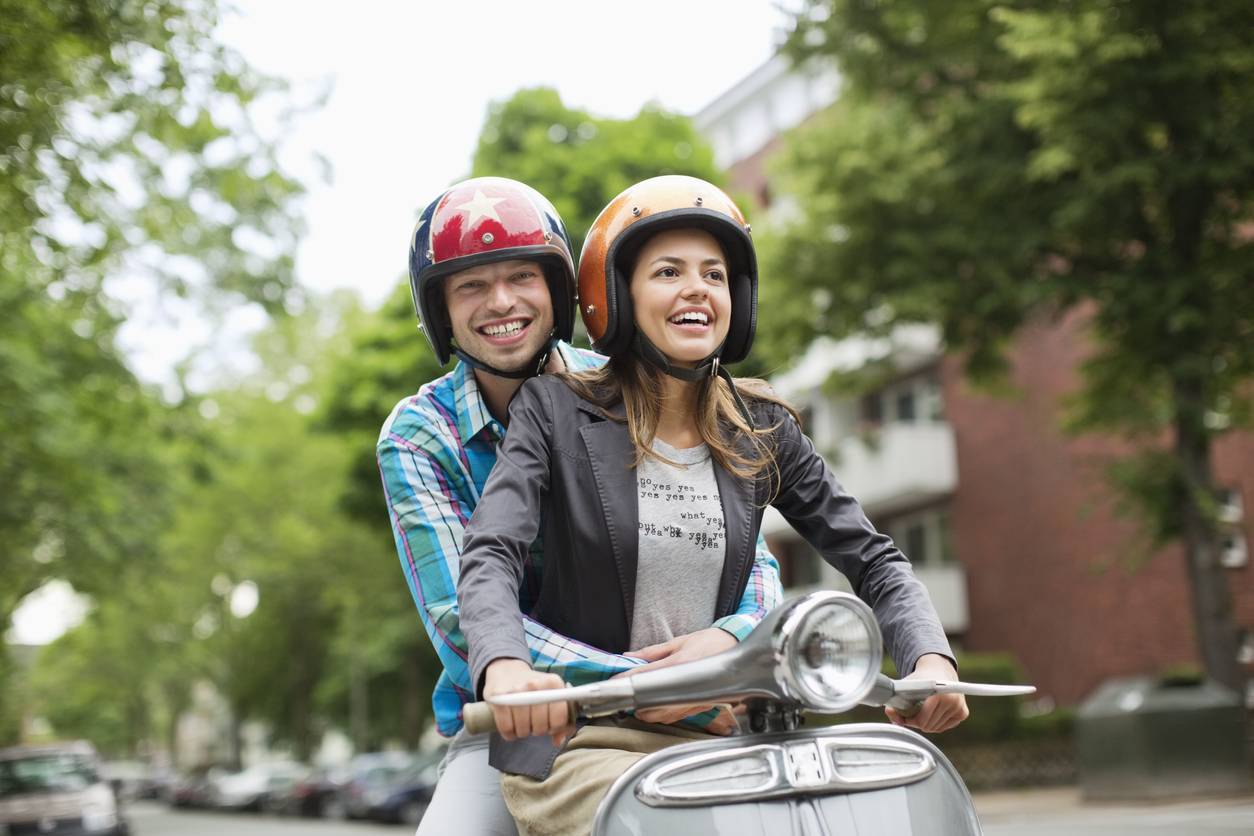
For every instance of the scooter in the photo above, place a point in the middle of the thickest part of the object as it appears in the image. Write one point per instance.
(817, 653)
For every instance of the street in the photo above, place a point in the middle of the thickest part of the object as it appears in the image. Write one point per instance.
(1030, 813)
(1054, 811)
(149, 818)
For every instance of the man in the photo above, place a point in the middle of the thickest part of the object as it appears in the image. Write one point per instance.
(493, 281)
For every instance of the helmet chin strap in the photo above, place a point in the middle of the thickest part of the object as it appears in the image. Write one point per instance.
(709, 367)
(531, 368)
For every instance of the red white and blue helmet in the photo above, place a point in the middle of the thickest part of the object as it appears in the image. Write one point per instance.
(479, 221)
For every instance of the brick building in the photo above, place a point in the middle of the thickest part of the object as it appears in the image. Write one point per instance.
(1010, 522)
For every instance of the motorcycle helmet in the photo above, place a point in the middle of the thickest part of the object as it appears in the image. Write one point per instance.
(648, 207)
(479, 221)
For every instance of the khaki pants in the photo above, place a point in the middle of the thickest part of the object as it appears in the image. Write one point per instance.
(565, 803)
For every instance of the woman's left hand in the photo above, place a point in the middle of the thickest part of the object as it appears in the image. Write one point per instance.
(939, 712)
(678, 650)
(681, 649)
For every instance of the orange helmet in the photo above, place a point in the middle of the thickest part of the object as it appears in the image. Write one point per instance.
(624, 225)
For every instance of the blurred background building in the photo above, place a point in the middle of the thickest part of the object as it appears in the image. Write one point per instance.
(1009, 521)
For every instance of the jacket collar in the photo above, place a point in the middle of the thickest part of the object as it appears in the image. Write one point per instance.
(611, 454)
(472, 410)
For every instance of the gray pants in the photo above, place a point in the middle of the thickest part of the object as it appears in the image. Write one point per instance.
(467, 798)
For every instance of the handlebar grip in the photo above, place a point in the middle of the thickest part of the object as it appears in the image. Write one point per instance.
(478, 718)
(905, 706)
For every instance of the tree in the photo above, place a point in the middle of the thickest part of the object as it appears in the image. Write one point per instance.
(989, 162)
(580, 161)
(126, 152)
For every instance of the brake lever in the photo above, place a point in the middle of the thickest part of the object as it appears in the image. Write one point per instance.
(906, 696)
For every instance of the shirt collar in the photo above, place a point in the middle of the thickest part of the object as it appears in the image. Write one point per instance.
(472, 410)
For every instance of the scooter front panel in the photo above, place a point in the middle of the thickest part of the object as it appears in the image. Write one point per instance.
(867, 779)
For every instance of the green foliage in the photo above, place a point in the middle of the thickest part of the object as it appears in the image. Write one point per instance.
(388, 359)
(126, 145)
(385, 359)
(580, 161)
(991, 163)
(83, 482)
(93, 681)
(126, 153)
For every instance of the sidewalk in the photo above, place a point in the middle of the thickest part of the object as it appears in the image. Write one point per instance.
(1061, 810)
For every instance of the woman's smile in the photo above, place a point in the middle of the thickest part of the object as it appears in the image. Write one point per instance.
(680, 296)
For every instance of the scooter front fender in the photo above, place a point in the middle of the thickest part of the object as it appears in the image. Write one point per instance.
(869, 779)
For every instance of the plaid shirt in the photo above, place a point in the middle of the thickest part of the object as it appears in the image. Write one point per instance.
(435, 453)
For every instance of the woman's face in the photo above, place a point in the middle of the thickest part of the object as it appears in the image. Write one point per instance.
(680, 296)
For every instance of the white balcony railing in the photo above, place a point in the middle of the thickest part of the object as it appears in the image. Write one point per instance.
(946, 586)
(903, 465)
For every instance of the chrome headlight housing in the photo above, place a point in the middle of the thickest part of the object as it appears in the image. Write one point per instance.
(828, 651)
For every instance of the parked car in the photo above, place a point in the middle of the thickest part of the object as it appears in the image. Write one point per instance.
(129, 779)
(57, 788)
(195, 787)
(309, 795)
(252, 788)
(405, 797)
(368, 777)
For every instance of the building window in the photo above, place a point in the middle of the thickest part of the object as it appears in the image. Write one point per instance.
(1231, 508)
(913, 400)
(923, 536)
(904, 412)
(1233, 552)
(799, 563)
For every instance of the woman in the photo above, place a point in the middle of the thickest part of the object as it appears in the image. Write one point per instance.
(651, 475)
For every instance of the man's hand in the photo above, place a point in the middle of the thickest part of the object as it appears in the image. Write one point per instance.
(681, 649)
(509, 676)
(940, 712)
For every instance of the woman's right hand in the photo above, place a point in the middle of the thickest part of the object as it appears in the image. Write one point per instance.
(509, 676)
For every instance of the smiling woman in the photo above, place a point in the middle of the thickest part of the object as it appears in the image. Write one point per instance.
(650, 513)
(680, 295)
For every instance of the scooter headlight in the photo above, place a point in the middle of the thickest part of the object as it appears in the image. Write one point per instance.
(828, 652)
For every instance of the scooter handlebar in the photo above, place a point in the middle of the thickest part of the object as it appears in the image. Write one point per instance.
(906, 696)
(478, 718)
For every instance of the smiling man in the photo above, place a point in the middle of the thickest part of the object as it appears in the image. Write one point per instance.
(493, 281)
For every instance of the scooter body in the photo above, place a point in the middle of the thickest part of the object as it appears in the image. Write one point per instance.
(859, 778)
(819, 653)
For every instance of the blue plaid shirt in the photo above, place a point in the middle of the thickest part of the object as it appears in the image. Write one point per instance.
(435, 453)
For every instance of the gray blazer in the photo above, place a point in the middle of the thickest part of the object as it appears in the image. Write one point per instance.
(565, 465)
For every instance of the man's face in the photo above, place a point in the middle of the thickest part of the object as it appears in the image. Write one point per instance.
(501, 312)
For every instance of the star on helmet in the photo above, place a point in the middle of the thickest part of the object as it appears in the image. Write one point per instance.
(481, 206)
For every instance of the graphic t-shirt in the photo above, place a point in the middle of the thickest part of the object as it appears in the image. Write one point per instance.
(681, 545)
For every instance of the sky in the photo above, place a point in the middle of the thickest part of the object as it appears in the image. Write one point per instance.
(412, 83)
(409, 88)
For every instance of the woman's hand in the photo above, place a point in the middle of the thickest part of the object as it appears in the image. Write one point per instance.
(939, 712)
(509, 676)
(681, 649)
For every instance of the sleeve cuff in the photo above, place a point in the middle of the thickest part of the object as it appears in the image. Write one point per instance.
(487, 655)
(739, 625)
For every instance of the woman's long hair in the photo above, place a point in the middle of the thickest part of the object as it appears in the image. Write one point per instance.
(740, 449)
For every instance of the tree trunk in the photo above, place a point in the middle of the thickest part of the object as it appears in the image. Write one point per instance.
(237, 740)
(1212, 607)
(358, 705)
